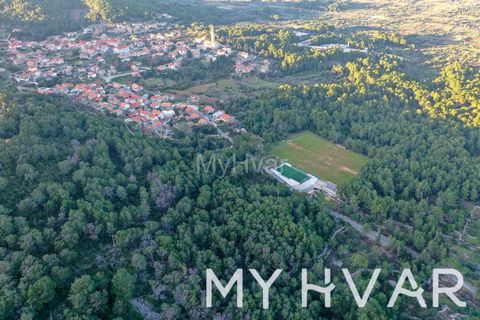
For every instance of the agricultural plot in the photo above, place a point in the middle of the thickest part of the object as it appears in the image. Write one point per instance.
(321, 158)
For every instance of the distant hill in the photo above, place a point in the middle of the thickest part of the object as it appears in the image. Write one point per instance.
(40, 18)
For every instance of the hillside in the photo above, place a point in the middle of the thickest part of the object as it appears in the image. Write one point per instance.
(159, 140)
(445, 30)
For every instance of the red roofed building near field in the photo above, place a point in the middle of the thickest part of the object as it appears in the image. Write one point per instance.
(63, 86)
(137, 119)
(208, 110)
(202, 122)
(194, 116)
(157, 113)
(167, 104)
(157, 125)
(190, 110)
(226, 118)
(147, 115)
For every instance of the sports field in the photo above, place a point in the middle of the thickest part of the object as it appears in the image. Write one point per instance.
(320, 157)
(293, 173)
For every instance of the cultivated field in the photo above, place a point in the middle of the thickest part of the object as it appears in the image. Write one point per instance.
(320, 157)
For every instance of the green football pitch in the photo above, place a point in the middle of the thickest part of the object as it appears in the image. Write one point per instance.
(293, 173)
(321, 158)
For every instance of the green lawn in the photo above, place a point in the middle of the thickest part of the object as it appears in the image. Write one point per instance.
(321, 158)
(260, 84)
(231, 86)
(125, 80)
(227, 84)
(151, 83)
(209, 88)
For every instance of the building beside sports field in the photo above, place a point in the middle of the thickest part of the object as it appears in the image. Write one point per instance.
(301, 181)
(295, 178)
(327, 187)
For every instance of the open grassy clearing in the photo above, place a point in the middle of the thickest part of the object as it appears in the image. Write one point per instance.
(156, 82)
(259, 84)
(229, 86)
(125, 80)
(320, 157)
(200, 89)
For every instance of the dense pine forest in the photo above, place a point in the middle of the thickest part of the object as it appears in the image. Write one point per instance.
(424, 144)
(99, 220)
(92, 217)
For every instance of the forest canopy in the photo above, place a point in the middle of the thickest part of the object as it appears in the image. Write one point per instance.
(92, 217)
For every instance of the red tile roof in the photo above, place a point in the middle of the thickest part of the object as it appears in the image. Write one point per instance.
(226, 117)
(208, 109)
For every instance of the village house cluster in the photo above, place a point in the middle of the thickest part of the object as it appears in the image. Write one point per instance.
(245, 62)
(154, 113)
(98, 50)
(84, 66)
(248, 63)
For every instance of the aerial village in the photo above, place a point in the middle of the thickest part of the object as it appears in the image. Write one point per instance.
(86, 65)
